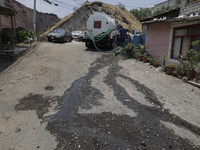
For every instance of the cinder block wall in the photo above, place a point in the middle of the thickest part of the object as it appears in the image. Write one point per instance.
(157, 40)
(190, 7)
(170, 3)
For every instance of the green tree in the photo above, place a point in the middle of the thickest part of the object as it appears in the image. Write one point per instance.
(135, 13)
(146, 12)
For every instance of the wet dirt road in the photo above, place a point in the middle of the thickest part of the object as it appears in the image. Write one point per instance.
(106, 109)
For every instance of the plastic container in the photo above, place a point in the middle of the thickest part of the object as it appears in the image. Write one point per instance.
(143, 40)
(137, 40)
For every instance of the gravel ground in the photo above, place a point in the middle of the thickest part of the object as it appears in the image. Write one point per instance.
(64, 96)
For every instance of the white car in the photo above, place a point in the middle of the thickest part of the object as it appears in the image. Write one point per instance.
(78, 35)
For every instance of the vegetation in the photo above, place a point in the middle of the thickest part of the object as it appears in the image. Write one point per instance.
(145, 13)
(171, 65)
(142, 48)
(137, 55)
(193, 56)
(183, 67)
(128, 47)
(164, 58)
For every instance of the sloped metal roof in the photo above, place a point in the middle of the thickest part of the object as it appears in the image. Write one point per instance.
(7, 11)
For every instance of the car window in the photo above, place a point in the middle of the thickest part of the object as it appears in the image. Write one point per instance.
(66, 32)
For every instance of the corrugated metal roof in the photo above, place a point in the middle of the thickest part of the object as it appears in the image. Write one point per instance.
(184, 19)
(164, 13)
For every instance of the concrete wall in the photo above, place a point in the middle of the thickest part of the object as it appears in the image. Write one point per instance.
(157, 40)
(171, 3)
(1, 2)
(190, 7)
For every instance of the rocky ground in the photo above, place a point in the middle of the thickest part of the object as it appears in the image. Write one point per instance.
(64, 96)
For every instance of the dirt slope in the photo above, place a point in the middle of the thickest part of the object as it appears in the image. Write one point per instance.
(25, 17)
(78, 19)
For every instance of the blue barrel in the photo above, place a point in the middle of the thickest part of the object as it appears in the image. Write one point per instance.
(137, 40)
(143, 42)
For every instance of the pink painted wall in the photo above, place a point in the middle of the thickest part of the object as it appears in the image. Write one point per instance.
(157, 40)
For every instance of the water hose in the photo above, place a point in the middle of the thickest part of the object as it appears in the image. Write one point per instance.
(99, 37)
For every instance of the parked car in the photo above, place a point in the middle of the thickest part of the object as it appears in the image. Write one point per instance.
(78, 35)
(60, 35)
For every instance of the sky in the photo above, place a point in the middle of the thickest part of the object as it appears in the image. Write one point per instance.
(65, 7)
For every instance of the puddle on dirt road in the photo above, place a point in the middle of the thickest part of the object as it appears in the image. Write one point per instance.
(36, 102)
(108, 131)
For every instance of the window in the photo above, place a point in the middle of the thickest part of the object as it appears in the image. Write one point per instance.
(182, 39)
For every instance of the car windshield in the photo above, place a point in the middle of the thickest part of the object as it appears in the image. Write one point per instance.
(60, 31)
(55, 30)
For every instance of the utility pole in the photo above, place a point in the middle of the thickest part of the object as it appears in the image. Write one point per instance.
(34, 17)
(141, 13)
(14, 22)
(116, 16)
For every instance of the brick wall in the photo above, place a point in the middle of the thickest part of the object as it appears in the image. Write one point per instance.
(157, 40)
(190, 7)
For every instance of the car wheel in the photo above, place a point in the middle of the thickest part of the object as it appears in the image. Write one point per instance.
(70, 40)
(62, 40)
(89, 45)
(80, 39)
(49, 40)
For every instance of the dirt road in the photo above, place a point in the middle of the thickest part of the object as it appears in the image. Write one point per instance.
(67, 97)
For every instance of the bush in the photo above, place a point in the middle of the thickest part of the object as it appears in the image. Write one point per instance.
(137, 55)
(23, 35)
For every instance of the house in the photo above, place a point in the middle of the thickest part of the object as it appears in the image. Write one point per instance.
(172, 32)
(6, 11)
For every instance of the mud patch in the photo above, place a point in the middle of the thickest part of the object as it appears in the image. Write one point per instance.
(49, 88)
(36, 102)
(109, 131)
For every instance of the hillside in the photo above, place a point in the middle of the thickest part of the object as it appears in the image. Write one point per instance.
(77, 20)
(25, 17)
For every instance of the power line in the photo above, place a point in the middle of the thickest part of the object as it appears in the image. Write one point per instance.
(140, 5)
(63, 3)
(77, 2)
(65, 7)
(50, 2)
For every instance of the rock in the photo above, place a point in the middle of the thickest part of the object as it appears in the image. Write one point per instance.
(185, 79)
(17, 130)
(159, 69)
(143, 144)
(147, 72)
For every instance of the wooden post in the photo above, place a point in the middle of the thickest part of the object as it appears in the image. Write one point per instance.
(12, 25)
